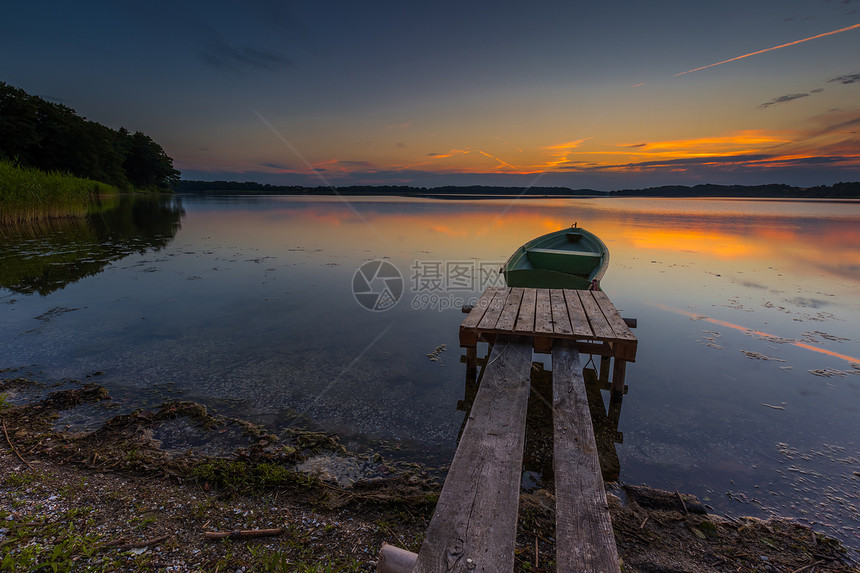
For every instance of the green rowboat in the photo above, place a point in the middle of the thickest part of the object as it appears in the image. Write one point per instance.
(571, 258)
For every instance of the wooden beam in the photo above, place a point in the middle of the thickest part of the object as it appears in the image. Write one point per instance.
(491, 317)
(560, 317)
(395, 560)
(543, 312)
(509, 313)
(477, 312)
(598, 322)
(474, 526)
(526, 317)
(584, 537)
(578, 320)
(618, 375)
(619, 326)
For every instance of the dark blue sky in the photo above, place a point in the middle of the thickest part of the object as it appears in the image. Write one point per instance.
(549, 93)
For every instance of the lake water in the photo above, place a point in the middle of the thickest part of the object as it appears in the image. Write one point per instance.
(746, 388)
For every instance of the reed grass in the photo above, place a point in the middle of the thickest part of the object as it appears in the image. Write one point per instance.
(28, 194)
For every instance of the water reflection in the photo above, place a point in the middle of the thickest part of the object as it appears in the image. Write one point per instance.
(45, 256)
(251, 305)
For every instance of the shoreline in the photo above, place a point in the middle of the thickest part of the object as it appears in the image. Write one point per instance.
(116, 498)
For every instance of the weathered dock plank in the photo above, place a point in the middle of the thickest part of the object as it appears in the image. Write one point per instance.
(491, 317)
(543, 312)
(584, 538)
(619, 327)
(473, 529)
(509, 313)
(477, 312)
(560, 316)
(598, 322)
(578, 320)
(526, 318)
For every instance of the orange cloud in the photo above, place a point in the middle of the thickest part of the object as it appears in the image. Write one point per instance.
(566, 146)
(742, 142)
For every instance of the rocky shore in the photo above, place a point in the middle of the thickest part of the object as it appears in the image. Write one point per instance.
(141, 492)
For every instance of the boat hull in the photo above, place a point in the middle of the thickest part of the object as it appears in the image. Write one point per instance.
(570, 258)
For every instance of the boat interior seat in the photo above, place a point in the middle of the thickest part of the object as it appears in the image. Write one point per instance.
(564, 260)
(591, 254)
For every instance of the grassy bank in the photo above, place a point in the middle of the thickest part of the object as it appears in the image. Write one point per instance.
(28, 194)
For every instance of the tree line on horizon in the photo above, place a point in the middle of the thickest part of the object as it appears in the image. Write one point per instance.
(847, 190)
(193, 186)
(53, 137)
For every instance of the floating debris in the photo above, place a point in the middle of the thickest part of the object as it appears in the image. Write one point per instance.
(737, 305)
(811, 336)
(770, 337)
(711, 340)
(774, 407)
(434, 356)
(831, 372)
(760, 356)
(54, 312)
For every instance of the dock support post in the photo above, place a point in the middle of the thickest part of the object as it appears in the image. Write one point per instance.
(618, 376)
(471, 361)
(605, 361)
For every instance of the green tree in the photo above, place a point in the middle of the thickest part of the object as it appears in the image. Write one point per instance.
(52, 137)
(146, 163)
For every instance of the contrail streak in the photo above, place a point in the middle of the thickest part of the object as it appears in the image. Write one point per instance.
(771, 49)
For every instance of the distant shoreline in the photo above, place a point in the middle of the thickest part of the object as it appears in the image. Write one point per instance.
(839, 191)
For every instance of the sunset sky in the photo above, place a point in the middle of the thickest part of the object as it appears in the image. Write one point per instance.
(618, 94)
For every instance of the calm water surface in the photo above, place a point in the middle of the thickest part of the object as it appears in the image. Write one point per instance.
(746, 388)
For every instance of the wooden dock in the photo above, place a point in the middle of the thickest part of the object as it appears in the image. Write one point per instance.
(548, 315)
(474, 526)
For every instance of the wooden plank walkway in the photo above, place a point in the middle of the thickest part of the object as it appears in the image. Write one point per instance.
(583, 529)
(474, 526)
(550, 315)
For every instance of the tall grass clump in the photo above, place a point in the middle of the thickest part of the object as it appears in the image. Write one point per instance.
(28, 194)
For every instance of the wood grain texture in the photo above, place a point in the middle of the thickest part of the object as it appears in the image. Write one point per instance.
(526, 317)
(491, 317)
(584, 538)
(509, 313)
(578, 320)
(599, 325)
(619, 327)
(474, 526)
(477, 312)
(560, 317)
(543, 312)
